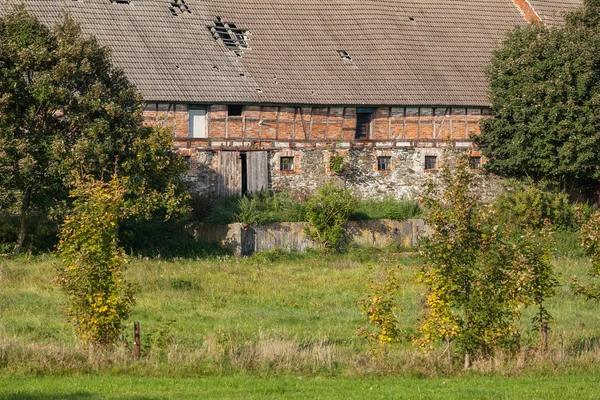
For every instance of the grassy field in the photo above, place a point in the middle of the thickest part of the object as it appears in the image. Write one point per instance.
(474, 387)
(272, 325)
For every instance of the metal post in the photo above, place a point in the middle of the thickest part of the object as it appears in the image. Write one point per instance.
(136, 335)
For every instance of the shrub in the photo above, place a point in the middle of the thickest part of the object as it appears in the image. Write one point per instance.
(92, 276)
(266, 207)
(388, 208)
(337, 164)
(524, 204)
(380, 306)
(327, 212)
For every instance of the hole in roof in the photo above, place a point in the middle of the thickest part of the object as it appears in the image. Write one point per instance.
(121, 1)
(411, 18)
(234, 38)
(345, 56)
(179, 7)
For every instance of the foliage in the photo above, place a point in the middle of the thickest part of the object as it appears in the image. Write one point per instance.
(92, 276)
(590, 240)
(388, 208)
(266, 207)
(380, 306)
(327, 213)
(165, 239)
(526, 205)
(476, 273)
(337, 164)
(65, 108)
(545, 94)
(300, 319)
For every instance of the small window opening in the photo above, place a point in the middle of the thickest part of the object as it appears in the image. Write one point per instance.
(384, 163)
(430, 162)
(345, 56)
(363, 125)
(286, 163)
(235, 110)
(234, 38)
(179, 7)
(475, 162)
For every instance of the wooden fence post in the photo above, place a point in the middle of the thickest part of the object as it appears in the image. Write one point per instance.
(136, 335)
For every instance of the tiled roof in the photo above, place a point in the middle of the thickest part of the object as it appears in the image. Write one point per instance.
(552, 11)
(417, 52)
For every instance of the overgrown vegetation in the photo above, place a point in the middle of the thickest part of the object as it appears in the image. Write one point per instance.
(266, 207)
(478, 274)
(327, 213)
(299, 318)
(99, 299)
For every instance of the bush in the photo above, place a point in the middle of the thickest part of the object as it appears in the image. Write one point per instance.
(327, 212)
(266, 207)
(526, 205)
(388, 208)
(92, 276)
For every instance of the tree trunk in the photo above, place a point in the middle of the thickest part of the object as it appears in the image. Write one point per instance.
(544, 334)
(467, 361)
(24, 217)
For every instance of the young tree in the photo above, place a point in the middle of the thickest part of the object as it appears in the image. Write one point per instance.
(63, 108)
(545, 94)
(477, 272)
(92, 276)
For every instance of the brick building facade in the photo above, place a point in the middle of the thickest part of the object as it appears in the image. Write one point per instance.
(264, 94)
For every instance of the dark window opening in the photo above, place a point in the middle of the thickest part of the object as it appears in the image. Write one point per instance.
(384, 163)
(345, 56)
(286, 163)
(430, 162)
(234, 38)
(244, 174)
(235, 110)
(179, 7)
(363, 125)
(475, 162)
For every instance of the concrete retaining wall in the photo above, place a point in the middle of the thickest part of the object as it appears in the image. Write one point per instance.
(244, 239)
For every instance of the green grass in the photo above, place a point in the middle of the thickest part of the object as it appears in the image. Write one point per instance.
(470, 387)
(270, 315)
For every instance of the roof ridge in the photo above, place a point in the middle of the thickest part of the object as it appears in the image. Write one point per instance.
(527, 10)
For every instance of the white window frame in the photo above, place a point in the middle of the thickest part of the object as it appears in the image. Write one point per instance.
(198, 114)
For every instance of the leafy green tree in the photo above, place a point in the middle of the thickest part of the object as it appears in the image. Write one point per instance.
(65, 109)
(545, 94)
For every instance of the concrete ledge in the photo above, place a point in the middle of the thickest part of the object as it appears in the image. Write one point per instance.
(245, 240)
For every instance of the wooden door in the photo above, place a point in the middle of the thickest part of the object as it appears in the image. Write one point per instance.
(257, 167)
(230, 174)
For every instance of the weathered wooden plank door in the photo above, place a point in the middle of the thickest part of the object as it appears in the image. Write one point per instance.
(257, 167)
(230, 174)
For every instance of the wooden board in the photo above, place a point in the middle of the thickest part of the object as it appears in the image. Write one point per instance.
(230, 174)
(257, 171)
